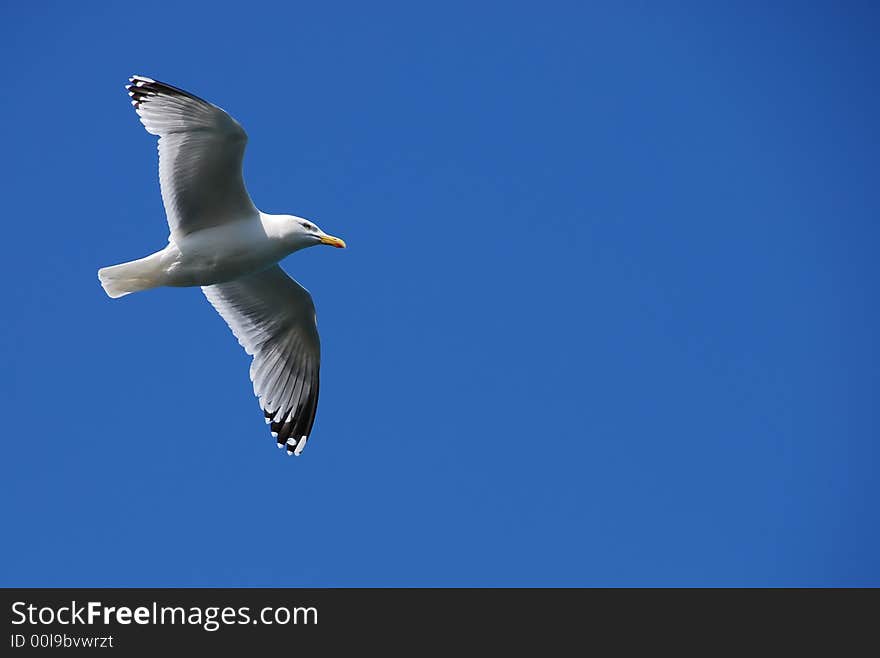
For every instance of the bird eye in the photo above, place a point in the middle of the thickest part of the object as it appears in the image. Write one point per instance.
(308, 227)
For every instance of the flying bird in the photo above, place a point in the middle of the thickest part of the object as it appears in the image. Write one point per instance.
(220, 241)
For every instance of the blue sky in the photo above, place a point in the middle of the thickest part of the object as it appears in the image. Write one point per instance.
(608, 314)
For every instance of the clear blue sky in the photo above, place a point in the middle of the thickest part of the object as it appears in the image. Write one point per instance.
(608, 314)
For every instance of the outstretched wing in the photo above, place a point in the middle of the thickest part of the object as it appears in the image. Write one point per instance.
(273, 318)
(200, 153)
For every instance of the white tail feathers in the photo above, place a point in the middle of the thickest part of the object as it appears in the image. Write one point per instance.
(120, 280)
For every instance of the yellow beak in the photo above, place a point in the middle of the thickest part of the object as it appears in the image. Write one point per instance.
(333, 242)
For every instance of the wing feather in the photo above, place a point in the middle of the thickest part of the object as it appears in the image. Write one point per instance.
(201, 149)
(273, 317)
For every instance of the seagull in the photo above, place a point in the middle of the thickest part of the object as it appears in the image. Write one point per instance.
(220, 241)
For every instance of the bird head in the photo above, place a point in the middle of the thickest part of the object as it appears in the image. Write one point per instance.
(304, 233)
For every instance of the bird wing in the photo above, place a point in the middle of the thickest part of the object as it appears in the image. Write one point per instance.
(274, 319)
(200, 153)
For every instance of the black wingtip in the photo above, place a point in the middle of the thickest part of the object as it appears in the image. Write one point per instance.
(142, 86)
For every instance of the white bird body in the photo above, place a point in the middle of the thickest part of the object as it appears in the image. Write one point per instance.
(221, 242)
(212, 255)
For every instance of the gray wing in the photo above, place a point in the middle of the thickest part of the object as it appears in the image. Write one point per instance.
(200, 154)
(273, 318)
